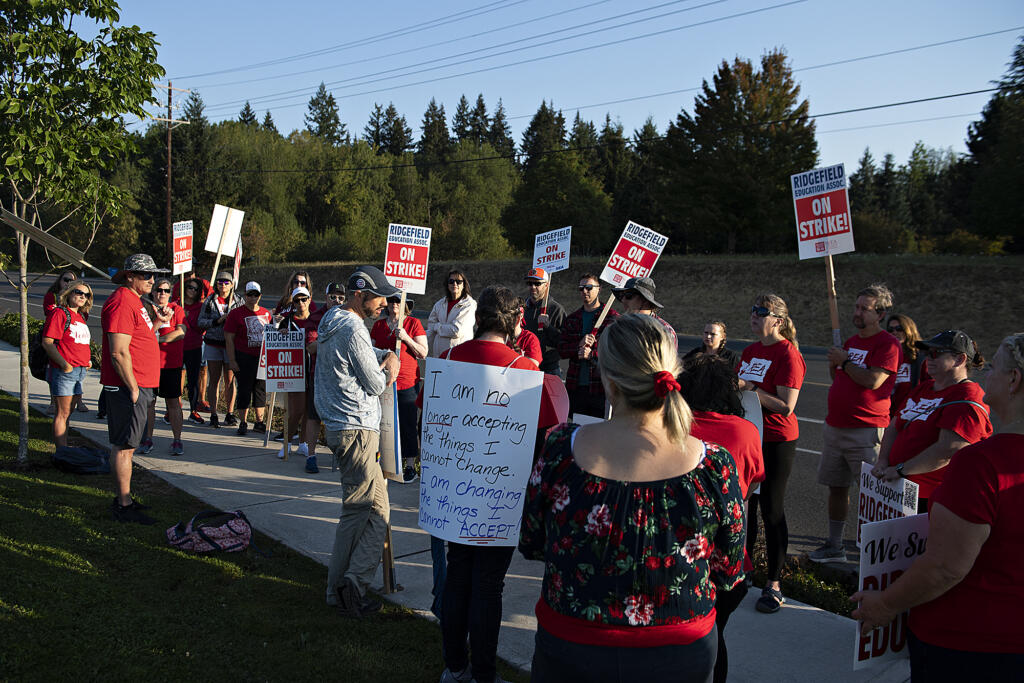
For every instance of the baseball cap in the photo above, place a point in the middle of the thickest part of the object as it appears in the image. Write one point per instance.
(644, 286)
(371, 279)
(956, 341)
(137, 263)
(335, 288)
(537, 274)
(300, 291)
(253, 286)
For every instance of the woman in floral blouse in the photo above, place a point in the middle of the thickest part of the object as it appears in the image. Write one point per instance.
(638, 524)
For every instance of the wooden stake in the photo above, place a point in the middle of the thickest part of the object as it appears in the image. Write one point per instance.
(604, 314)
(388, 556)
(833, 306)
(544, 306)
(270, 418)
(220, 246)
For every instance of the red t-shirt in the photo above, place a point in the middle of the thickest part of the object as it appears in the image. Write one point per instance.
(193, 333)
(500, 355)
(530, 345)
(172, 353)
(982, 613)
(247, 326)
(384, 338)
(771, 367)
(921, 418)
(124, 313)
(205, 290)
(72, 345)
(850, 405)
(738, 436)
(49, 303)
(905, 384)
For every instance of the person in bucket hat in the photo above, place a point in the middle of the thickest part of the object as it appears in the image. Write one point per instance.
(638, 296)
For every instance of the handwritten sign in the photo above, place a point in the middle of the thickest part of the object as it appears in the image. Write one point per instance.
(182, 234)
(551, 249)
(880, 499)
(286, 361)
(822, 209)
(476, 450)
(406, 257)
(889, 548)
(635, 254)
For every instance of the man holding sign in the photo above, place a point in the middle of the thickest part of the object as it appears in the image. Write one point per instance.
(350, 375)
(544, 319)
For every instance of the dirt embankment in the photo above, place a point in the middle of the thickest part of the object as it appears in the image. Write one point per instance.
(982, 295)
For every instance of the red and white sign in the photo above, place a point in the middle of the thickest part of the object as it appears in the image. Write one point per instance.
(286, 360)
(406, 257)
(888, 549)
(822, 207)
(879, 499)
(635, 255)
(551, 249)
(182, 234)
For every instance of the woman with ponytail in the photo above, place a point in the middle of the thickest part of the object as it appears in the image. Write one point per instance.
(638, 523)
(773, 368)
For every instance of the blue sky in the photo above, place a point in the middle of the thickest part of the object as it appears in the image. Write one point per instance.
(348, 45)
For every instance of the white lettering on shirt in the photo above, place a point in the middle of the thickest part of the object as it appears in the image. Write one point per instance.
(858, 356)
(754, 370)
(921, 410)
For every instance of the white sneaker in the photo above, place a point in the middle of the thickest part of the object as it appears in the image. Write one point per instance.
(302, 450)
(280, 454)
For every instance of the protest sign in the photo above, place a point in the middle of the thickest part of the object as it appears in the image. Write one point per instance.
(551, 249)
(822, 209)
(285, 359)
(476, 450)
(635, 254)
(880, 499)
(406, 257)
(889, 548)
(223, 236)
(182, 233)
(390, 437)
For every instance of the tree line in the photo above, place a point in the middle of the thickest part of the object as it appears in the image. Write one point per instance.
(715, 179)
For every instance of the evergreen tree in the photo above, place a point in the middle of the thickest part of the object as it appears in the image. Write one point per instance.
(863, 187)
(479, 122)
(396, 134)
(615, 160)
(268, 123)
(322, 117)
(194, 186)
(500, 134)
(434, 144)
(636, 201)
(247, 116)
(460, 121)
(545, 134)
(373, 132)
(583, 140)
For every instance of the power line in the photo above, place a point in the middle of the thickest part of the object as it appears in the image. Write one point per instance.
(896, 123)
(353, 169)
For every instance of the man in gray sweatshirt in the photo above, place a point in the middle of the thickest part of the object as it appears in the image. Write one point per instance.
(350, 375)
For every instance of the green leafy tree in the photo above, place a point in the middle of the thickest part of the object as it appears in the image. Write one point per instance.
(323, 119)
(63, 94)
(247, 116)
(435, 143)
(727, 166)
(500, 134)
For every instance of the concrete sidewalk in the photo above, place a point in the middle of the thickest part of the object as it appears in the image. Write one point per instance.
(799, 643)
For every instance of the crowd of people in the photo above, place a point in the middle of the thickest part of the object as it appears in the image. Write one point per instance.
(648, 481)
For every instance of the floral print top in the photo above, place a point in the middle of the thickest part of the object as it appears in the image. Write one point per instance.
(633, 553)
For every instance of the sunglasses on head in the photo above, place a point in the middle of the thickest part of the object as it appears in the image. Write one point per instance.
(79, 292)
(762, 311)
(163, 290)
(587, 288)
(453, 281)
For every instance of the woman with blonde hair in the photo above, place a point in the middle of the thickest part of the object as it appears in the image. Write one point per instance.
(912, 371)
(638, 523)
(66, 340)
(773, 368)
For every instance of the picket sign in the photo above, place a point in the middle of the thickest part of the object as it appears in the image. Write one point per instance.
(551, 252)
(182, 234)
(635, 254)
(476, 450)
(225, 229)
(889, 547)
(406, 257)
(823, 225)
(284, 353)
(879, 499)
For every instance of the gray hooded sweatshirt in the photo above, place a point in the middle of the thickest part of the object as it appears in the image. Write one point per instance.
(348, 374)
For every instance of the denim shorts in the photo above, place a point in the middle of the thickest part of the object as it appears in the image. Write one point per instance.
(66, 383)
(215, 353)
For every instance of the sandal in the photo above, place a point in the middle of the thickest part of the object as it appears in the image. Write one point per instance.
(771, 600)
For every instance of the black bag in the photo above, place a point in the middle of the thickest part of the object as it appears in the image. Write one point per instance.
(81, 460)
(38, 361)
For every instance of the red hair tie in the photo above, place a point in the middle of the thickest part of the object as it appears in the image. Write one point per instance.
(665, 382)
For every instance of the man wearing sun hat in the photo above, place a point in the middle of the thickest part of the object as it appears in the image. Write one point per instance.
(130, 373)
(544, 320)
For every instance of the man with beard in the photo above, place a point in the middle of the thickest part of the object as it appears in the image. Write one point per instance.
(863, 373)
(544, 319)
(350, 375)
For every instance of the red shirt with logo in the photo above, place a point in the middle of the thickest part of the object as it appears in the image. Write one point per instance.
(982, 613)
(851, 406)
(384, 338)
(770, 367)
(247, 326)
(905, 382)
(923, 415)
(172, 353)
(72, 345)
(124, 313)
(738, 436)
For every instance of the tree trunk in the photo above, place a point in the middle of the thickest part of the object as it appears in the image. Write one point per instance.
(23, 309)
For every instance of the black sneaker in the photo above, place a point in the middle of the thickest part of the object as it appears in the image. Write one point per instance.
(230, 420)
(129, 514)
(277, 437)
(351, 605)
(243, 428)
(409, 474)
(215, 421)
(101, 415)
(137, 505)
(259, 427)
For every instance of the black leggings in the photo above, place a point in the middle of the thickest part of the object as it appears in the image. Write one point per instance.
(193, 364)
(778, 463)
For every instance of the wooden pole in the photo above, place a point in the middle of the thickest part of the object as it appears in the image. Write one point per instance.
(833, 306)
(544, 306)
(270, 417)
(604, 314)
(388, 557)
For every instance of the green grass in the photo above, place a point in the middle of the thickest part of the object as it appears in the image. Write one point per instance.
(84, 597)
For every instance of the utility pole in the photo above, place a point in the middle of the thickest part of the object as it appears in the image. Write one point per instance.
(171, 125)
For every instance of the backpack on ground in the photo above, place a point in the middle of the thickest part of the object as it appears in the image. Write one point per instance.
(81, 460)
(38, 361)
(212, 530)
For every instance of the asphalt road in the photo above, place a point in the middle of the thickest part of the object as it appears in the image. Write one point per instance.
(805, 498)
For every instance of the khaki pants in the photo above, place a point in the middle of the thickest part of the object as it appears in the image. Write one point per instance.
(365, 511)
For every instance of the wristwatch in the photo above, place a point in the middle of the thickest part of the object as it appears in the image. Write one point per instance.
(842, 366)
(899, 469)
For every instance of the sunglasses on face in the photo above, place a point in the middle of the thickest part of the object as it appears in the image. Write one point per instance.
(223, 282)
(336, 297)
(935, 353)
(534, 284)
(297, 281)
(79, 292)
(67, 279)
(587, 288)
(627, 296)
(163, 290)
(191, 288)
(144, 276)
(762, 312)
(895, 330)
(300, 299)
(252, 293)
(453, 281)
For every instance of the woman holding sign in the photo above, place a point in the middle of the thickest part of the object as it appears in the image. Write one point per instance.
(964, 593)
(773, 368)
(638, 523)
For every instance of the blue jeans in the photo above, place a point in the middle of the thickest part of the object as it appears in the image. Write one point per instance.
(66, 383)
